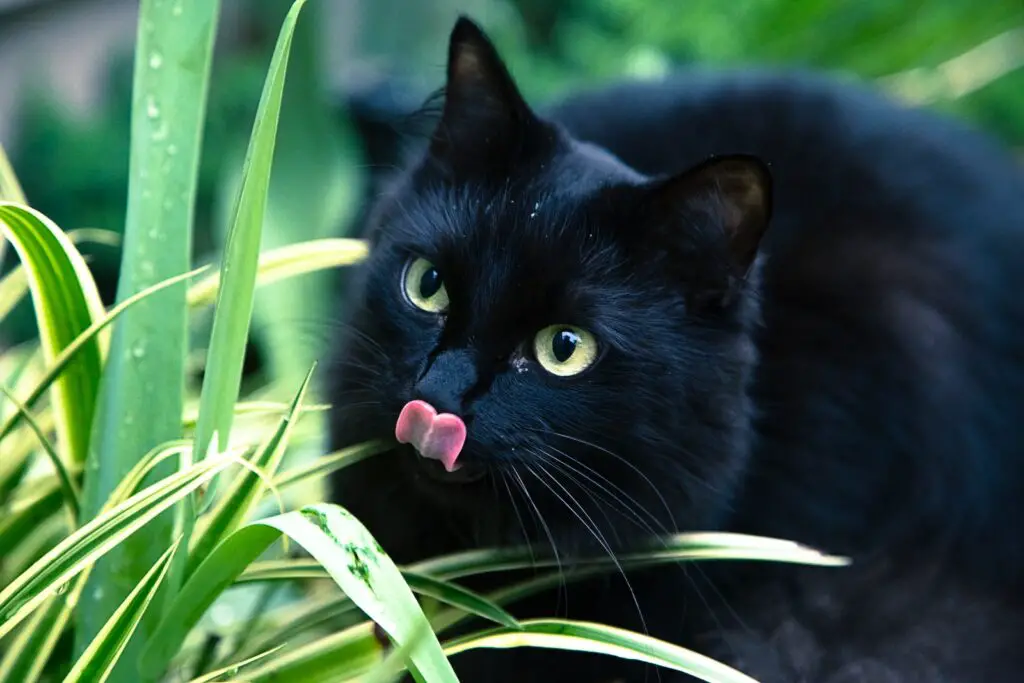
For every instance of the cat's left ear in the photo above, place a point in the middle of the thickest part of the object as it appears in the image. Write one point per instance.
(714, 215)
(483, 108)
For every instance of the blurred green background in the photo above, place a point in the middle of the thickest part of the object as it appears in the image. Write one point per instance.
(65, 77)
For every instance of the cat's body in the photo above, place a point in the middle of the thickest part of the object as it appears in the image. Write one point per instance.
(860, 388)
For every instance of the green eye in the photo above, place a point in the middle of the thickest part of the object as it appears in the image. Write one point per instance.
(424, 286)
(565, 350)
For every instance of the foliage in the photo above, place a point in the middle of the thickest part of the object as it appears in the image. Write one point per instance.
(143, 518)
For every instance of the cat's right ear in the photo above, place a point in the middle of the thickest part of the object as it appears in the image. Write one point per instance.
(712, 218)
(484, 112)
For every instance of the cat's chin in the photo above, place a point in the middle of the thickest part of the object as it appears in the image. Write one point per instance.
(467, 474)
(431, 476)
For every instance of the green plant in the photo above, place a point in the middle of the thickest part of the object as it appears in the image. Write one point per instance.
(129, 507)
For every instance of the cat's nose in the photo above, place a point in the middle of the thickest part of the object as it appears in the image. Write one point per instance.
(447, 380)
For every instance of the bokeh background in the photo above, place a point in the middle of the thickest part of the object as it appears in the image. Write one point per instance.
(359, 65)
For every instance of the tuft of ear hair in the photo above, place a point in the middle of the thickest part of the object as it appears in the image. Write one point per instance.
(731, 193)
(709, 220)
(483, 108)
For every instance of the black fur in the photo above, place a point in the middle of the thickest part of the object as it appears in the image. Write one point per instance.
(858, 387)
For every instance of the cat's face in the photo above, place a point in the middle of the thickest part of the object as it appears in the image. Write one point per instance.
(584, 329)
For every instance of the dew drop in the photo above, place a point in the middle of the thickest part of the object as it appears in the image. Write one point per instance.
(139, 350)
(152, 111)
(156, 60)
(63, 588)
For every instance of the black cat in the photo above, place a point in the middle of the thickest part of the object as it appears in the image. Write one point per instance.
(585, 334)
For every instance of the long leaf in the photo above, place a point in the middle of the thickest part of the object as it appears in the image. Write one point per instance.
(102, 654)
(82, 343)
(66, 303)
(142, 395)
(254, 408)
(456, 596)
(27, 657)
(10, 188)
(310, 616)
(587, 637)
(317, 184)
(94, 539)
(343, 546)
(233, 669)
(287, 262)
(14, 285)
(241, 256)
(678, 548)
(325, 464)
(338, 657)
(19, 521)
(465, 603)
(245, 491)
(67, 485)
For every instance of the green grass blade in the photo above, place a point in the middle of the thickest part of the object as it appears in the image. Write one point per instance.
(233, 669)
(203, 587)
(10, 188)
(14, 285)
(68, 487)
(316, 187)
(66, 303)
(338, 657)
(19, 521)
(326, 464)
(191, 416)
(339, 542)
(461, 598)
(286, 262)
(309, 617)
(245, 491)
(677, 548)
(142, 394)
(465, 603)
(27, 657)
(241, 256)
(99, 658)
(587, 637)
(96, 538)
(397, 661)
(283, 570)
(82, 343)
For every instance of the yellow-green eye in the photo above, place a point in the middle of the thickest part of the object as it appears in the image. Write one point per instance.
(565, 350)
(424, 286)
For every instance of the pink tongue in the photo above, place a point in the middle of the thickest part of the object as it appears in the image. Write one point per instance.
(438, 437)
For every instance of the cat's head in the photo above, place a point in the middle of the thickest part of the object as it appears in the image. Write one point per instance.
(586, 329)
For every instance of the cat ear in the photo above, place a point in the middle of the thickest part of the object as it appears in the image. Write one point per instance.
(483, 108)
(714, 216)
